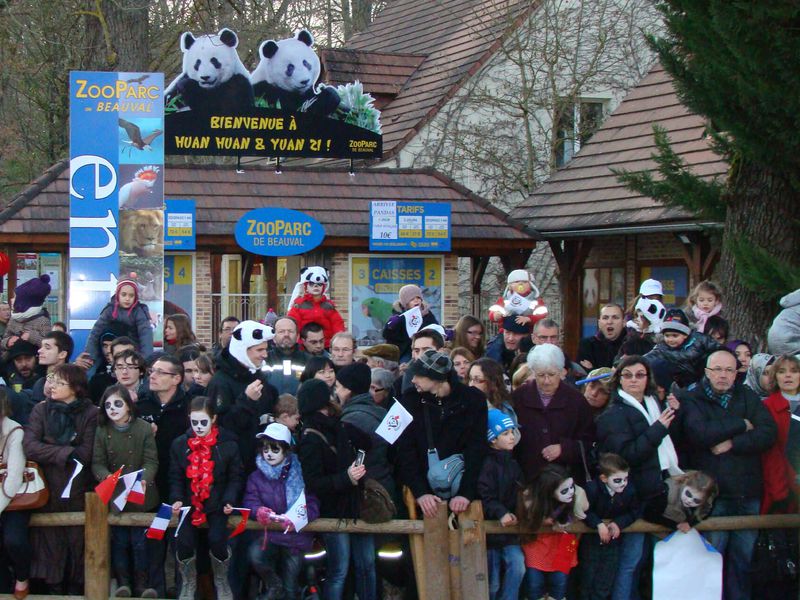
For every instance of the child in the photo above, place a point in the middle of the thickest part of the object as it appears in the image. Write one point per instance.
(205, 473)
(29, 319)
(685, 350)
(613, 506)
(122, 438)
(125, 315)
(309, 304)
(553, 500)
(498, 485)
(394, 332)
(529, 311)
(287, 413)
(650, 289)
(272, 489)
(686, 500)
(705, 301)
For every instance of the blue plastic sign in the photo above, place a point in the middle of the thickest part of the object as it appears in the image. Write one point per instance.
(414, 226)
(278, 232)
(179, 225)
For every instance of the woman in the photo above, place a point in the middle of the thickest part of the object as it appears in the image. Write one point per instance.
(320, 367)
(129, 367)
(205, 370)
(122, 440)
(61, 431)
(177, 333)
(462, 359)
(635, 427)
(381, 387)
(758, 375)
(744, 354)
(596, 392)
(14, 523)
(487, 375)
(470, 334)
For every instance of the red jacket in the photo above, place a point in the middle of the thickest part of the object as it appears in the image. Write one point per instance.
(308, 309)
(778, 475)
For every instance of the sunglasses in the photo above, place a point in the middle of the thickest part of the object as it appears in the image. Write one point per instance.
(114, 404)
(272, 448)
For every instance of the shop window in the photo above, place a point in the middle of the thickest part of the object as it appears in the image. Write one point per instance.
(600, 287)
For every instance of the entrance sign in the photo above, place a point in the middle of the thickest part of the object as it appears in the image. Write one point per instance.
(414, 226)
(278, 232)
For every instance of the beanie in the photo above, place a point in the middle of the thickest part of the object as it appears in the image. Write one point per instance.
(356, 378)
(408, 293)
(498, 422)
(22, 348)
(246, 335)
(433, 365)
(313, 395)
(676, 320)
(651, 287)
(510, 324)
(122, 283)
(518, 275)
(31, 293)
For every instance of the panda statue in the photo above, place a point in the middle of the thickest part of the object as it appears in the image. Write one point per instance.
(287, 71)
(214, 79)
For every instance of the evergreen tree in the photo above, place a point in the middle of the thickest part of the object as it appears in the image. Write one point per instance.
(735, 62)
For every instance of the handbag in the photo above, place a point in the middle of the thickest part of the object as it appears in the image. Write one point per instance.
(33, 492)
(376, 503)
(775, 556)
(444, 475)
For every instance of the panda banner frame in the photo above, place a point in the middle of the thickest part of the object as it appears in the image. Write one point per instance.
(216, 107)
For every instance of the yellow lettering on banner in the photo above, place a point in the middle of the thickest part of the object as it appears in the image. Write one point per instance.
(192, 141)
(433, 272)
(231, 143)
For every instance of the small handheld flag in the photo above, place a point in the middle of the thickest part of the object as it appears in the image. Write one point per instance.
(160, 523)
(394, 423)
(133, 492)
(68, 489)
(298, 512)
(245, 512)
(105, 489)
(413, 318)
(184, 511)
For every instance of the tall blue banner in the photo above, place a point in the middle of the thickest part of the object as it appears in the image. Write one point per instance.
(116, 193)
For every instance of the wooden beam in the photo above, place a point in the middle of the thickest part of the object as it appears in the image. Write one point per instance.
(97, 558)
(472, 553)
(437, 569)
(570, 257)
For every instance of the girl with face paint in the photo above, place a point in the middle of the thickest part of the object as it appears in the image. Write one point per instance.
(272, 489)
(687, 500)
(551, 499)
(123, 439)
(206, 475)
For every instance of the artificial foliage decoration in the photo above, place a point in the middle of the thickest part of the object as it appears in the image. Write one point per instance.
(362, 111)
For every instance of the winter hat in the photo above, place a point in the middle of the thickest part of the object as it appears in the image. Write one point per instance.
(313, 395)
(498, 422)
(510, 324)
(21, 348)
(651, 287)
(518, 275)
(676, 320)
(309, 275)
(356, 378)
(437, 328)
(663, 373)
(598, 372)
(385, 351)
(278, 432)
(122, 283)
(653, 311)
(245, 335)
(433, 365)
(408, 293)
(31, 293)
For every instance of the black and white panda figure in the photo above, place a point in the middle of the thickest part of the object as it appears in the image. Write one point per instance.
(287, 71)
(214, 79)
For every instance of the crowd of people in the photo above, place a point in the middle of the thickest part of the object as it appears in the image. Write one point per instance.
(658, 416)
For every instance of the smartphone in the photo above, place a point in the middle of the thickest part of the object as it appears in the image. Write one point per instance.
(360, 458)
(674, 389)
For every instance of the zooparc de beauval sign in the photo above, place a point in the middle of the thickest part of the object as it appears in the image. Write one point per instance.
(215, 106)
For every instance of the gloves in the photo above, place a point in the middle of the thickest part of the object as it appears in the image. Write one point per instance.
(262, 515)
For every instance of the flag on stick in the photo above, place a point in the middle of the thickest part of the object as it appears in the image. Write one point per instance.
(68, 489)
(105, 489)
(245, 512)
(160, 523)
(133, 492)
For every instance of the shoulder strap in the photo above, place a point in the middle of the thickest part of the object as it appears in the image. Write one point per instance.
(5, 444)
(428, 429)
(321, 435)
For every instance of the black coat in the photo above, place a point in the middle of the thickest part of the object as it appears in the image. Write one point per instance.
(228, 477)
(707, 423)
(687, 362)
(623, 509)
(458, 425)
(499, 484)
(599, 350)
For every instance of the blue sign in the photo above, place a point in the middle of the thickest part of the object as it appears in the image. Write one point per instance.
(180, 218)
(415, 226)
(278, 232)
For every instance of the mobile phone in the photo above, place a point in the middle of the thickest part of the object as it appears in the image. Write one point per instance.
(674, 389)
(360, 458)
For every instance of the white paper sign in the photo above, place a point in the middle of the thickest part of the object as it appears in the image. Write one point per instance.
(516, 304)
(298, 512)
(394, 423)
(384, 219)
(686, 566)
(67, 490)
(413, 318)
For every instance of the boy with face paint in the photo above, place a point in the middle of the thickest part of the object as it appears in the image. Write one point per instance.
(613, 506)
(687, 500)
(271, 490)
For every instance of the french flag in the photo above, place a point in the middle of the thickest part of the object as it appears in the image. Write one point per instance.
(159, 525)
(133, 490)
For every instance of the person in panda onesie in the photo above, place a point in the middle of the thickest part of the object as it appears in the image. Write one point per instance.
(309, 304)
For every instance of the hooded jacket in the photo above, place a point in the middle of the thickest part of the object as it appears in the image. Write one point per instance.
(135, 323)
(687, 361)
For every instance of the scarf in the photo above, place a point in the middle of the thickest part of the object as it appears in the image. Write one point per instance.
(288, 471)
(721, 398)
(667, 457)
(31, 312)
(200, 472)
(753, 378)
(702, 315)
(61, 420)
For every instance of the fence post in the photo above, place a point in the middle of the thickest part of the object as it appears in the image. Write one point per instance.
(437, 544)
(472, 551)
(96, 533)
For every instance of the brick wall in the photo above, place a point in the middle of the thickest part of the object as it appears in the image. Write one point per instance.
(202, 283)
(451, 312)
(340, 284)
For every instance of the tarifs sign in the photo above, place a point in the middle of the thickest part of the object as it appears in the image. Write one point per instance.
(278, 232)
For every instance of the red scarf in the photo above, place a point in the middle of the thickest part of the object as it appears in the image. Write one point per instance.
(200, 472)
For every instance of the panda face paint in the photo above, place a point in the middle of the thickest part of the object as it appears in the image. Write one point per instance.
(691, 498)
(201, 422)
(617, 482)
(565, 491)
(116, 409)
(273, 453)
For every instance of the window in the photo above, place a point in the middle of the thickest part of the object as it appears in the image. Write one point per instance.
(575, 124)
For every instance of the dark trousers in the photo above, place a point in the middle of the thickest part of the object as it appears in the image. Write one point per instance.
(16, 544)
(598, 567)
(217, 537)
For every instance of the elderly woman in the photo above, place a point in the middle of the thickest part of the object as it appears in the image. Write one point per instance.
(380, 387)
(555, 421)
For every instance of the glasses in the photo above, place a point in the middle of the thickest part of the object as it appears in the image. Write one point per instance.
(114, 404)
(58, 382)
(548, 338)
(638, 375)
(159, 372)
(474, 379)
(474, 332)
(123, 368)
(376, 389)
(227, 329)
(272, 448)
(720, 370)
(546, 376)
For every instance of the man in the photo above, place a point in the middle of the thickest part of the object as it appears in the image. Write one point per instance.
(424, 339)
(104, 376)
(5, 315)
(285, 361)
(727, 428)
(548, 331)
(313, 336)
(225, 330)
(505, 346)
(343, 348)
(23, 370)
(601, 349)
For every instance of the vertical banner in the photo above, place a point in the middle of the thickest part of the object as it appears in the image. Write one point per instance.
(116, 194)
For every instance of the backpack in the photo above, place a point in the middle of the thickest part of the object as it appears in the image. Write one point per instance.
(376, 504)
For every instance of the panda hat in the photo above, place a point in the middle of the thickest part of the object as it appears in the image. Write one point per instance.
(244, 336)
(653, 311)
(310, 275)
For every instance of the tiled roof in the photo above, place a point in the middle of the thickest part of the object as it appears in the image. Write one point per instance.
(335, 198)
(380, 73)
(586, 195)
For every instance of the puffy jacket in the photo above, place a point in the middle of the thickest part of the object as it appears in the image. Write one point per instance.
(688, 362)
(499, 484)
(308, 309)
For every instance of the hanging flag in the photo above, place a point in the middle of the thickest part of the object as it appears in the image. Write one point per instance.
(394, 423)
(105, 489)
(298, 512)
(133, 492)
(68, 490)
(184, 511)
(245, 512)
(160, 523)
(413, 320)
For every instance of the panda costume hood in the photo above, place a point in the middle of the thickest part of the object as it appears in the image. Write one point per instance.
(246, 335)
(653, 311)
(310, 275)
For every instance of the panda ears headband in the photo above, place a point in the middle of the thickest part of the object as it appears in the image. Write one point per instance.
(226, 36)
(270, 47)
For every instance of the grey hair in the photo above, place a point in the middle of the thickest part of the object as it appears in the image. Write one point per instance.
(383, 377)
(543, 356)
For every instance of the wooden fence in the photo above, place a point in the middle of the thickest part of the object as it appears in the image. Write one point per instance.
(450, 563)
